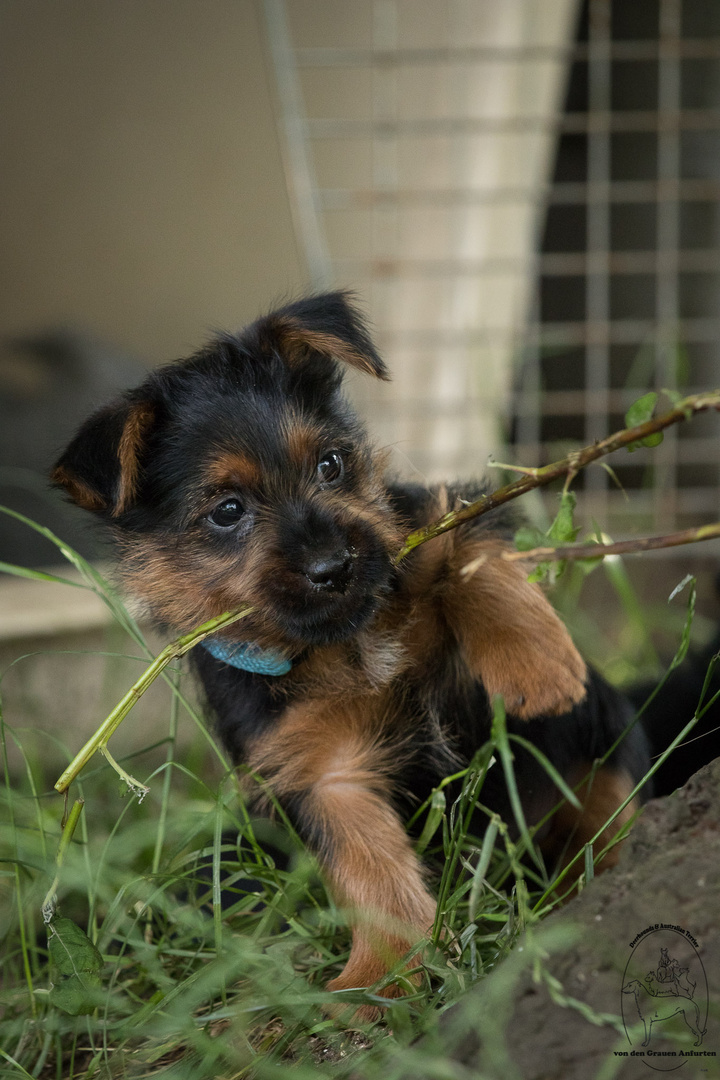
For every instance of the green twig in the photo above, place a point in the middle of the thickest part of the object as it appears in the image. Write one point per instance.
(171, 652)
(49, 904)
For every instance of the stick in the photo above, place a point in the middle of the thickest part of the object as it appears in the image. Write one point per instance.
(567, 466)
(593, 550)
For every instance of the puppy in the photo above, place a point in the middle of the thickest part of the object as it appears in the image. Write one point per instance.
(241, 476)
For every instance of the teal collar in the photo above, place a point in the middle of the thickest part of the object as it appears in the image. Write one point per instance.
(247, 657)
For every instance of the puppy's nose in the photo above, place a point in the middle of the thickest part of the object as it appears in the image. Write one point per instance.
(330, 572)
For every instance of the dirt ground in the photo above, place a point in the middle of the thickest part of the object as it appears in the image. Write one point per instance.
(556, 1009)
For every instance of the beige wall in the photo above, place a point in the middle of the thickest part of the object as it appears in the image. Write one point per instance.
(142, 191)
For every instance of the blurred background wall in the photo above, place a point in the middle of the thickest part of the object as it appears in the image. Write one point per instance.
(523, 194)
(144, 205)
(173, 167)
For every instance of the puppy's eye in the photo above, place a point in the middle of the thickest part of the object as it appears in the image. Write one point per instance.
(331, 468)
(227, 514)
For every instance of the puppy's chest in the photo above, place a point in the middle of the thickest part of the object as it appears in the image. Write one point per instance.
(401, 682)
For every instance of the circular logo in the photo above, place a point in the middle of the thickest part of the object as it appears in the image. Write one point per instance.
(664, 998)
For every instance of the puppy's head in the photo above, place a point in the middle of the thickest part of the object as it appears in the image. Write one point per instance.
(241, 476)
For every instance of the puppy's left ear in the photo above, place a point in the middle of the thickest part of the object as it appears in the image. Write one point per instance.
(328, 325)
(102, 467)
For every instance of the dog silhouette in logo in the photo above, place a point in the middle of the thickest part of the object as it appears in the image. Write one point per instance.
(673, 979)
(664, 969)
(665, 993)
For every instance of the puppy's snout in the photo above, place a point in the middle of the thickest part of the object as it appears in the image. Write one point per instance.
(332, 573)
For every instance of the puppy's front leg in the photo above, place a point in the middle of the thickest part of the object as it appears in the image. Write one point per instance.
(512, 639)
(328, 767)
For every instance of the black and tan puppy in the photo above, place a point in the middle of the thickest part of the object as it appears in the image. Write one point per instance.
(240, 476)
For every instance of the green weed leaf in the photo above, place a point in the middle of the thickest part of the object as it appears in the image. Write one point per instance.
(685, 639)
(501, 740)
(36, 575)
(615, 479)
(76, 968)
(564, 788)
(433, 820)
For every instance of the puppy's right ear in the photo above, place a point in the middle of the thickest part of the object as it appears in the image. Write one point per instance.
(102, 466)
(327, 327)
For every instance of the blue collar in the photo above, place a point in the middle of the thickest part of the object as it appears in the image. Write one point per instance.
(247, 657)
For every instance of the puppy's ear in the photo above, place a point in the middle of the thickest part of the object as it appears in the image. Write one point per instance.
(328, 325)
(100, 470)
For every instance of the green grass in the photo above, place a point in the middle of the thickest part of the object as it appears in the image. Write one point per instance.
(196, 952)
(214, 958)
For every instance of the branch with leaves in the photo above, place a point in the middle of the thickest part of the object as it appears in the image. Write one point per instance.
(643, 430)
(592, 551)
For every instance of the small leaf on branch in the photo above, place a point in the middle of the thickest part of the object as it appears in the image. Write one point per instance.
(641, 410)
(673, 396)
(540, 573)
(563, 530)
(650, 440)
(639, 413)
(527, 537)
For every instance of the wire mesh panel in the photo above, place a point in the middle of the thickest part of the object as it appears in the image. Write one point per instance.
(628, 294)
(420, 141)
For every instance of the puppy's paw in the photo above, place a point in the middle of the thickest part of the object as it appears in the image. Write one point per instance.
(548, 688)
(536, 681)
(362, 1014)
(367, 1014)
(371, 960)
(512, 639)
